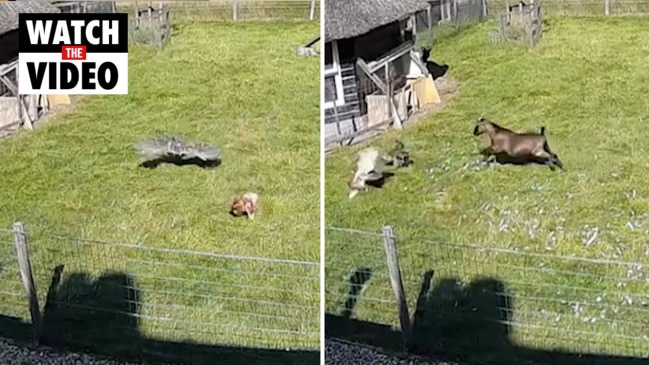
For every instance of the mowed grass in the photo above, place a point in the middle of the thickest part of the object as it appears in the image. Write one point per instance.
(585, 82)
(238, 86)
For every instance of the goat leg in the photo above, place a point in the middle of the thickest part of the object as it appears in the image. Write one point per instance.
(489, 158)
(553, 161)
(557, 162)
(550, 164)
(486, 151)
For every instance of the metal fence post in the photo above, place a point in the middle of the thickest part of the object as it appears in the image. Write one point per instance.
(390, 246)
(20, 240)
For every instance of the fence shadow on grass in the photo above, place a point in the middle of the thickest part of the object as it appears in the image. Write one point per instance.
(101, 316)
(461, 323)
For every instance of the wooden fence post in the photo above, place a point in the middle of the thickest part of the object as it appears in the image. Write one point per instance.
(312, 10)
(607, 7)
(390, 246)
(20, 240)
(235, 8)
(388, 91)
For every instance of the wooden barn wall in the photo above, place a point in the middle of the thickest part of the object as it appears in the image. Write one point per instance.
(8, 53)
(378, 42)
(73, 7)
(350, 84)
(8, 46)
(356, 86)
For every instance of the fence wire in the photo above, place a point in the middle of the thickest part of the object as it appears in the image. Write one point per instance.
(13, 301)
(198, 11)
(358, 286)
(151, 27)
(95, 292)
(580, 7)
(483, 299)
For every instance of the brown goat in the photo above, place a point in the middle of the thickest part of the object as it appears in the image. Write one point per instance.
(503, 141)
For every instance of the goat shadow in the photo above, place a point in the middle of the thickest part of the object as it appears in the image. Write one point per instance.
(379, 183)
(177, 161)
(102, 316)
(505, 159)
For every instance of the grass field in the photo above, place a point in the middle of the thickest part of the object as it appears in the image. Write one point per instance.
(585, 82)
(238, 86)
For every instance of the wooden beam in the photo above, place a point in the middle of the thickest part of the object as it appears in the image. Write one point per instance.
(339, 139)
(10, 85)
(391, 55)
(7, 126)
(5, 69)
(363, 66)
(27, 119)
(390, 93)
(413, 22)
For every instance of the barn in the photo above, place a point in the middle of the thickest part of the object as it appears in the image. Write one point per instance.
(13, 112)
(86, 6)
(369, 48)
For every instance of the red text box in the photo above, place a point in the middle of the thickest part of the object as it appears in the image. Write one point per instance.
(73, 53)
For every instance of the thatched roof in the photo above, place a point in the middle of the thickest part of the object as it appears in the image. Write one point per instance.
(351, 18)
(9, 11)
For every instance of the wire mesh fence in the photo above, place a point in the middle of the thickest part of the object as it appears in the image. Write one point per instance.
(150, 26)
(12, 293)
(188, 11)
(72, 7)
(365, 110)
(152, 22)
(484, 301)
(448, 17)
(524, 24)
(358, 286)
(94, 292)
(580, 7)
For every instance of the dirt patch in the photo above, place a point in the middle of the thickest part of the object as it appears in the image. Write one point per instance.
(447, 87)
(45, 117)
(59, 110)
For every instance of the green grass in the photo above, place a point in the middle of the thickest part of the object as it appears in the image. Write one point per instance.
(585, 82)
(238, 86)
